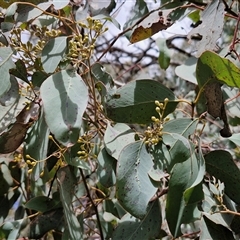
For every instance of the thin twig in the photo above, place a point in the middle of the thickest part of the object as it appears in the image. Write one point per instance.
(92, 202)
(159, 194)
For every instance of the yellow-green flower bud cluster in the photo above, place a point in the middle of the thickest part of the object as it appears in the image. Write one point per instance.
(31, 163)
(92, 24)
(153, 135)
(18, 157)
(29, 50)
(86, 147)
(81, 47)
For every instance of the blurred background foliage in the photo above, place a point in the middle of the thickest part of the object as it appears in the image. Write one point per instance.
(119, 119)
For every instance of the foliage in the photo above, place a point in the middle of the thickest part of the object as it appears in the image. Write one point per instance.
(85, 158)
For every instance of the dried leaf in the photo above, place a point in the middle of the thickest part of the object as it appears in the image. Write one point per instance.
(152, 24)
(225, 132)
(211, 27)
(215, 105)
(213, 94)
(13, 138)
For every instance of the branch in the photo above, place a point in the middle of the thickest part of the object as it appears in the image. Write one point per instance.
(159, 194)
(92, 202)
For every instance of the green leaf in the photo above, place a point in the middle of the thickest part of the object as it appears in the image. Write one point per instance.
(19, 213)
(195, 16)
(65, 98)
(139, 10)
(182, 126)
(43, 204)
(164, 53)
(20, 71)
(211, 230)
(5, 206)
(11, 10)
(106, 169)
(210, 28)
(210, 205)
(195, 193)
(27, 12)
(235, 224)
(180, 151)
(134, 187)
(99, 73)
(175, 135)
(9, 113)
(132, 228)
(117, 137)
(235, 138)
(6, 64)
(76, 161)
(59, 4)
(220, 164)
(138, 99)
(45, 222)
(53, 53)
(6, 27)
(6, 180)
(45, 20)
(36, 145)
(11, 96)
(187, 71)
(12, 228)
(38, 78)
(161, 158)
(66, 183)
(211, 66)
(3, 39)
(184, 190)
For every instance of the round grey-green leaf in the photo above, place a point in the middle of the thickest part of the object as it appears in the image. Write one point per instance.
(65, 97)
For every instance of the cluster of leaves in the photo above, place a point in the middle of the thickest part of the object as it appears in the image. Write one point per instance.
(83, 159)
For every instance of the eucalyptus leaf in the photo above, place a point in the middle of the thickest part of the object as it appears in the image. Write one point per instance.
(53, 53)
(106, 169)
(43, 204)
(175, 135)
(6, 64)
(59, 4)
(9, 113)
(132, 228)
(138, 98)
(36, 145)
(5, 179)
(210, 28)
(11, 96)
(65, 98)
(117, 137)
(235, 138)
(66, 181)
(220, 164)
(187, 71)
(184, 189)
(164, 53)
(208, 66)
(20, 71)
(134, 187)
(138, 11)
(12, 228)
(211, 230)
(26, 12)
(11, 10)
